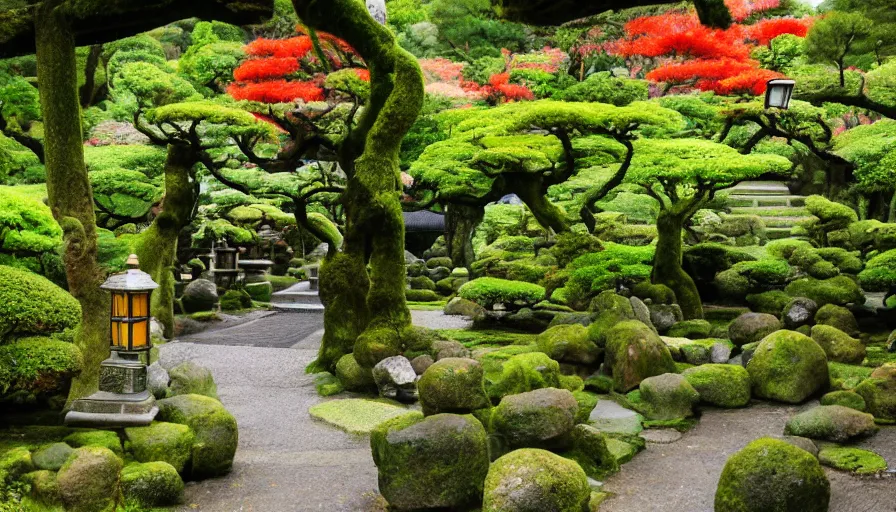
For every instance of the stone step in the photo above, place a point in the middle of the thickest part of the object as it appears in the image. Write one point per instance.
(782, 222)
(771, 211)
(285, 307)
(760, 188)
(303, 297)
(759, 200)
(777, 233)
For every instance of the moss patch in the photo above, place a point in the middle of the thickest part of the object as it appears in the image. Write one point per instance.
(862, 462)
(357, 415)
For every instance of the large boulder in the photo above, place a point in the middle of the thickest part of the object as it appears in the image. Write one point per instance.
(152, 484)
(464, 307)
(831, 423)
(88, 481)
(667, 397)
(589, 448)
(199, 295)
(51, 456)
(769, 474)
(444, 349)
(798, 312)
(352, 375)
(838, 345)
(396, 378)
(751, 327)
(611, 309)
(540, 418)
(568, 344)
(452, 385)
(533, 480)
(788, 367)
(839, 317)
(879, 393)
(524, 372)
(634, 352)
(721, 385)
(215, 431)
(190, 378)
(642, 312)
(436, 462)
(160, 441)
(664, 316)
(840, 290)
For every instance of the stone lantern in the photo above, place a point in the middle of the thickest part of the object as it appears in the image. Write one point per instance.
(122, 400)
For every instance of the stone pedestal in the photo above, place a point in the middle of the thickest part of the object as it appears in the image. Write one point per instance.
(122, 401)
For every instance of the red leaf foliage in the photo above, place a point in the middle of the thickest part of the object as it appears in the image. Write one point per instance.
(748, 82)
(264, 69)
(766, 30)
(297, 47)
(690, 70)
(276, 91)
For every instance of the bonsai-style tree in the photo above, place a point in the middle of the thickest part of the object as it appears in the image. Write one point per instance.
(835, 37)
(525, 148)
(683, 175)
(872, 149)
(874, 90)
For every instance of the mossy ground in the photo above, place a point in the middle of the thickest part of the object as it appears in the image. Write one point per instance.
(861, 462)
(358, 416)
(487, 337)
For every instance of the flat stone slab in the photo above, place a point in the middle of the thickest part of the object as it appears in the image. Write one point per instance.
(661, 435)
(612, 418)
(357, 415)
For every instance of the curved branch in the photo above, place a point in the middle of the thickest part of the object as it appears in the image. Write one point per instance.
(595, 195)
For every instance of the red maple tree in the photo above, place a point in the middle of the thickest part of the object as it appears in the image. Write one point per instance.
(680, 52)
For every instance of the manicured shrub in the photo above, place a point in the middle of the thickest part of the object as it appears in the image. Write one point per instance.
(488, 291)
(880, 272)
(29, 236)
(38, 366)
(31, 304)
(839, 290)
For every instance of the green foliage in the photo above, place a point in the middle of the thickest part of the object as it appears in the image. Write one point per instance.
(871, 148)
(125, 193)
(595, 272)
(210, 63)
(31, 304)
(781, 53)
(29, 236)
(604, 88)
(151, 86)
(488, 291)
(237, 121)
(836, 36)
(148, 160)
(880, 272)
(38, 365)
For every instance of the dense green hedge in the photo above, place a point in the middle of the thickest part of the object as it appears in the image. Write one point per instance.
(29, 236)
(32, 304)
(488, 291)
(880, 272)
(37, 365)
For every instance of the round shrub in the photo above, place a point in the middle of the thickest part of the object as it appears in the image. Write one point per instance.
(880, 272)
(29, 236)
(769, 474)
(31, 304)
(488, 291)
(38, 365)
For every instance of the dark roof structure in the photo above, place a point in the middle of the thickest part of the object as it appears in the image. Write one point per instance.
(424, 221)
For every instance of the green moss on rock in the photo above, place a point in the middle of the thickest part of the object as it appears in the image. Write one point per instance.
(693, 329)
(152, 484)
(854, 460)
(190, 378)
(667, 397)
(353, 376)
(166, 442)
(533, 480)
(51, 456)
(568, 344)
(357, 415)
(488, 291)
(635, 352)
(539, 418)
(839, 317)
(214, 428)
(88, 481)
(752, 327)
(849, 399)
(452, 385)
(840, 290)
(879, 393)
(590, 451)
(771, 302)
(769, 474)
(32, 304)
(838, 345)
(101, 438)
(788, 366)
(831, 423)
(721, 385)
(521, 373)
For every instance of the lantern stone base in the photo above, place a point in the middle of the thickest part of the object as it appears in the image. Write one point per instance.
(122, 401)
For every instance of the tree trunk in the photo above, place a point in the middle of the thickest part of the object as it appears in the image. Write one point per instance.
(68, 188)
(157, 246)
(667, 268)
(547, 214)
(460, 223)
(891, 215)
(89, 87)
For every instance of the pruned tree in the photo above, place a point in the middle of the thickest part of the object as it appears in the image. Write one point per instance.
(683, 175)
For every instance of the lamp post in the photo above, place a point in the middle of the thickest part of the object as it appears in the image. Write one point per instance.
(122, 400)
(778, 92)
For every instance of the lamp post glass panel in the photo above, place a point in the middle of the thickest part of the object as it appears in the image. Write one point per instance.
(130, 309)
(778, 92)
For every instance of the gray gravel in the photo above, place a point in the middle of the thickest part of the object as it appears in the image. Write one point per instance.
(439, 320)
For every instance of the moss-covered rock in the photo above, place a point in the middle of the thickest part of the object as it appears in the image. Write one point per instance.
(611, 309)
(353, 376)
(831, 423)
(771, 302)
(436, 462)
(464, 307)
(452, 385)
(152, 484)
(693, 329)
(422, 283)
(838, 345)
(849, 399)
(589, 449)
(839, 317)
(533, 480)
(752, 327)
(167, 442)
(788, 366)
(44, 487)
(879, 393)
(523, 372)
(51, 456)
(657, 293)
(234, 300)
(855, 460)
(190, 378)
(635, 352)
(840, 290)
(721, 385)
(540, 418)
(422, 295)
(214, 428)
(568, 344)
(32, 304)
(667, 397)
(102, 438)
(769, 474)
(488, 291)
(13, 464)
(359, 416)
(880, 272)
(260, 292)
(88, 481)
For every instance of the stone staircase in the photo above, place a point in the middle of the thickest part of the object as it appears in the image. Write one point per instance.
(299, 298)
(772, 202)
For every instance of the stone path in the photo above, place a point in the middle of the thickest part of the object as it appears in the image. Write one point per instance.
(770, 200)
(288, 462)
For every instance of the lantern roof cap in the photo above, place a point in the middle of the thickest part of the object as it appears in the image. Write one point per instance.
(133, 279)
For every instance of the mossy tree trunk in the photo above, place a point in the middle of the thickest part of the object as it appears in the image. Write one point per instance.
(532, 191)
(460, 224)
(374, 222)
(68, 188)
(157, 246)
(667, 267)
